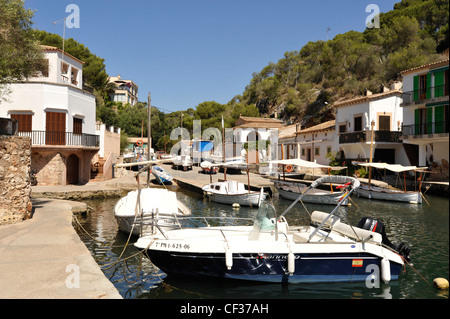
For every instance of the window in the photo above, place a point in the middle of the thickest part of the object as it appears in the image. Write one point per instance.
(422, 87)
(25, 121)
(316, 151)
(77, 126)
(358, 123)
(328, 149)
(303, 152)
(342, 128)
(384, 123)
(64, 72)
(74, 76)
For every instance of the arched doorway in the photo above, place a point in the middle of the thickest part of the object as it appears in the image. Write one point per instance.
(72, 169)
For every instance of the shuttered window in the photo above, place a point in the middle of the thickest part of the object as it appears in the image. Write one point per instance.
(55, 129)
(25, 121)
(439, 84)
(439, 119)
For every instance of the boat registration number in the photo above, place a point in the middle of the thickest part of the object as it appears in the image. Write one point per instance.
(169, 245)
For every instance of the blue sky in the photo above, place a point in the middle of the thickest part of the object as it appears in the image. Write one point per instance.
(186, 52)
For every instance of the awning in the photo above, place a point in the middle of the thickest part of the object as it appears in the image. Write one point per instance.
(306, 164)
(392, 167)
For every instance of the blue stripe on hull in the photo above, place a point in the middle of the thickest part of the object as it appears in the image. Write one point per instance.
(309, 268)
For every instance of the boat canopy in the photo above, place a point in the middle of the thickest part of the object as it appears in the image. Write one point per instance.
(392, 167)
(307, 164)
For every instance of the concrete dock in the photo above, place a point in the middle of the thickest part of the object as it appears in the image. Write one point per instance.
(44, 258)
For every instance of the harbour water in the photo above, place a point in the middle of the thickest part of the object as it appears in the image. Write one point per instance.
(424, 228)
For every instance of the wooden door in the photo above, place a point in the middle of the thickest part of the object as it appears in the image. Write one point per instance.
(55, 128)
(72, 169)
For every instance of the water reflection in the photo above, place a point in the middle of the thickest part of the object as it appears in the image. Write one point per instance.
(424, 228)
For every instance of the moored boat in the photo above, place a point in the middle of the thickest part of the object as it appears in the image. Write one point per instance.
(231, 192)
(138, 205)
(271, 250)
(383, 193)
(162, 176)
(292, 190)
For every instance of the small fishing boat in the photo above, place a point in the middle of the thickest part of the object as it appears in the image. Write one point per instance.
(231, 192)
(183, 161)
(383, 193)
(325, 250)
(138, 205)
(292, 190)
(209, 168)
(161, 175)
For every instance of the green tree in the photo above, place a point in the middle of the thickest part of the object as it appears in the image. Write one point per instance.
(20, 54)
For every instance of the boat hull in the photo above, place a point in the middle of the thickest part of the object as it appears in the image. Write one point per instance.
(249, 199)
(309, 268)
(396, 196)
(318, 198)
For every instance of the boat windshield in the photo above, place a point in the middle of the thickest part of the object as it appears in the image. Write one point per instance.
(263, 221)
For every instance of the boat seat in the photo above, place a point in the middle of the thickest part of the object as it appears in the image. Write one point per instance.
(318, 217)
(346, 230)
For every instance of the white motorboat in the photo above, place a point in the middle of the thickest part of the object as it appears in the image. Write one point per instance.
(162, 176)
(153, 202)
(383, 193)
(231, 192)
(292, 190)
(270, 250)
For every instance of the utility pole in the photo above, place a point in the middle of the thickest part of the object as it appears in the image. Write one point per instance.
(149, 145)
(371, 150)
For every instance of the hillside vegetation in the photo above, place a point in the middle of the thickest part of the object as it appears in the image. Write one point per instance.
(305, 83)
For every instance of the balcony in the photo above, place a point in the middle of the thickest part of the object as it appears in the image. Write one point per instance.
(421, 96)
(426, 128)
(364, 137)
(61, 138)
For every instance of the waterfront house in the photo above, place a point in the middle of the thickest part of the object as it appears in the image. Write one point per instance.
(381, 112)
(125, 91)
(317, 141)
(310, 144)
(288, 147)
(59, 115)
(109, 152)
(255, 129)
(426, 113)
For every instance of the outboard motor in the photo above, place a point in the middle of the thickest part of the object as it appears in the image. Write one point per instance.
(374, 225)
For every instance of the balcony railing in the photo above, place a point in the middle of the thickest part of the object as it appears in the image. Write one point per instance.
(364, 136)
(426, 128)
(421, 95)
(61, 138)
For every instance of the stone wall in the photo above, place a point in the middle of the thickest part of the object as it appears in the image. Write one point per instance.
(15, 186)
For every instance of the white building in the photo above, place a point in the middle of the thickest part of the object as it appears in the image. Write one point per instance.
(126, 91)
(354, 119)
(426, 113)
(53, 109)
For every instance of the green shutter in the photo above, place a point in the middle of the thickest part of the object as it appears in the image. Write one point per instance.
(429, 86)
(416, 88)
(416, 122)
(439, 84)
(439, 119)
(430, 120)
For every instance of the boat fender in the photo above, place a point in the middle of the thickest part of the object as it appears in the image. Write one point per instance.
(236, 205)
(440, 283)
(385, 270)
(228, 259)
(291, 263)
